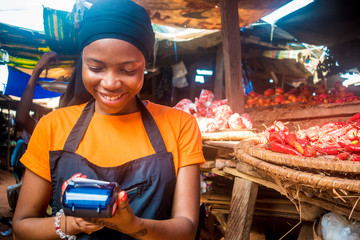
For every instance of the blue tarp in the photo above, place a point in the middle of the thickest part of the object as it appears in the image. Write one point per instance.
(18, 80)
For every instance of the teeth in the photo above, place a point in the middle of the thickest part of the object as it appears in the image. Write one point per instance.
(111, 98)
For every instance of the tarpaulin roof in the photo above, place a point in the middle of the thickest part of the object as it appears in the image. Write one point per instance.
(17, 82)
(333, 23)
(23, 47)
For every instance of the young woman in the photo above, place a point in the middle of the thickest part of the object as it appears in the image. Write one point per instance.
(114, 137)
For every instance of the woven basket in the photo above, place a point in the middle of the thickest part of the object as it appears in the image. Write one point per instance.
(296, 176)
(319, 163)
(234, 135)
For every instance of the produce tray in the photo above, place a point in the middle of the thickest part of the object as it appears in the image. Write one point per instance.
(228, 135)
(315, 180)
(54, 86)
(324, 164)
(336, 194)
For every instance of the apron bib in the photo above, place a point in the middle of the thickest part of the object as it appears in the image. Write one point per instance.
(150, 179)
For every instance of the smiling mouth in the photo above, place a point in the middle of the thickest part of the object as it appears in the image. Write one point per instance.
(111, 98)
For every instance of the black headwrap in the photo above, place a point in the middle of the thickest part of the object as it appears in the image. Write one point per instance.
(120, 19)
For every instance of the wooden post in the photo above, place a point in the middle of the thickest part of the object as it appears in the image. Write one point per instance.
(191, 79)
(219, 74)
(232, 55)
(241, 209)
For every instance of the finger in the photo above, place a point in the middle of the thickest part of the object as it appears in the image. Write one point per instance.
(122, 201)
(87, 226)
(65, 183)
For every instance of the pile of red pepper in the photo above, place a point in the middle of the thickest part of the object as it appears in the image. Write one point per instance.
(341, 139)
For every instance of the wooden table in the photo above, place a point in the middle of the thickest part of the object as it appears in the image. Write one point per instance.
(235, 210)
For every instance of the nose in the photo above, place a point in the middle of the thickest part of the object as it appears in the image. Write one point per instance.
(111, 81)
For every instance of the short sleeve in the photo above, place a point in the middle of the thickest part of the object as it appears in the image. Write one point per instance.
(190, 143)
(36, 157)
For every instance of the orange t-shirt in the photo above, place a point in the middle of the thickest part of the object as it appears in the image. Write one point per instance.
(114, 140)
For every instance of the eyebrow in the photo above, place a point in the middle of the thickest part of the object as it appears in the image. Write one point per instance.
(123, 63)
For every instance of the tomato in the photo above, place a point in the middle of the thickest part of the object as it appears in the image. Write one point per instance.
(269, 92)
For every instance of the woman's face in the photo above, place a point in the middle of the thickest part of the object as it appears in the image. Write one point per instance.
(113, 72)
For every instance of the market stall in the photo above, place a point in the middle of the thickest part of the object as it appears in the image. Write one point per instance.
(244, 166)
(314, 166)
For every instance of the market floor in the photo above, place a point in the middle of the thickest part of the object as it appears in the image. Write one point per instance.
(6, 179)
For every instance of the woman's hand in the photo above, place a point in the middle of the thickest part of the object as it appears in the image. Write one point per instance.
(45, 60)
(79, 225)
(123, 219)
(66, 183)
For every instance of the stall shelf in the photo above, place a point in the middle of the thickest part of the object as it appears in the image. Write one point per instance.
(303, 115)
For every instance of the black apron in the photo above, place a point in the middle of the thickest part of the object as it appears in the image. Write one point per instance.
(152, 178)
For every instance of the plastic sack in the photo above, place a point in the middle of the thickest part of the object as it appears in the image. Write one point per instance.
(236, 122)
(186, 105)
(207, 125)
(179, 71)
(206, 97)
(335, 227)
(13, 194)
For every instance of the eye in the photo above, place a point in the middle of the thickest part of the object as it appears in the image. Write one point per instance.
(129, 68)
(95, 69)
(129, 71)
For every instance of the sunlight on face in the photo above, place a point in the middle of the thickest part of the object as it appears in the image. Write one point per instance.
(113, 72)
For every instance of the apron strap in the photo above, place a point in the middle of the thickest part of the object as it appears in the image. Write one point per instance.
(152, 129)
(78, 131)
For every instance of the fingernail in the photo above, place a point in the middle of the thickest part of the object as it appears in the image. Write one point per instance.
(123, 196)
(76, 175)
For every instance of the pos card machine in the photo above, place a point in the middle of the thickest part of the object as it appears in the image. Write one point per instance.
(90, 198)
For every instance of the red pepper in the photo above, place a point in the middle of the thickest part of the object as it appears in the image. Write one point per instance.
(355, 117)
(354, 148)
(278, 126)
(329, 150)
(290, 137)
(310, 151)
(342, 156)
(292, 141)
(351, 134)
(276, 137)
(355, 158)
(303, 142)
(342, 144)
(278, 147)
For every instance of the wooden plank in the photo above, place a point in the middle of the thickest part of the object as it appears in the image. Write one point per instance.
(263, 182)
(221, 163)
(222, 173)
(222, 220)
(214, 196)
(250, 170)
(207, 165)
(232, 55)
(221, 144)
(225, 153)
(241, 209)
